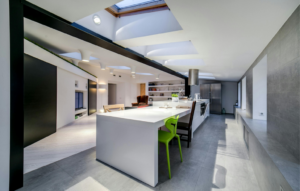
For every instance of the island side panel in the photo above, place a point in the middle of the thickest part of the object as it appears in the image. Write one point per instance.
(130, 146)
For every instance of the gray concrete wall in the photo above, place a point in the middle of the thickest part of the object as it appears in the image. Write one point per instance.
(4, 95)
(229, 93)
(283, 85)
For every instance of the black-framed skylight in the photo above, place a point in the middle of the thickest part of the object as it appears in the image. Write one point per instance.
(131, 3)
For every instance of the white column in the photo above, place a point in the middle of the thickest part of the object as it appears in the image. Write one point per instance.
(4, 95)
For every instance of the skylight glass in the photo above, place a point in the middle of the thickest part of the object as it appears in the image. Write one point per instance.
(131, 3)
(120, 67)
(145, 74)
(76, 55)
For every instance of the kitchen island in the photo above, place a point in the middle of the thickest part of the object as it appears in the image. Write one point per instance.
(128, 140)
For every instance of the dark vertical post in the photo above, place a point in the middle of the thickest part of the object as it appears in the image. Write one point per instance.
(187, 87)
(16, 94)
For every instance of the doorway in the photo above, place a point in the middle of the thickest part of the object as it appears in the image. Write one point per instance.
(112, 94)
(142, 89)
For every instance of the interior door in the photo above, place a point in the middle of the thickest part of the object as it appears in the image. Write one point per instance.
(143, 89)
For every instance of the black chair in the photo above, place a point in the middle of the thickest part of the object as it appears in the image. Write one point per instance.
(187, 126)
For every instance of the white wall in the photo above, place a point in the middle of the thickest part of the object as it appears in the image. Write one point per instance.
(260, 90)
(4, 95)
(244, 93)
(107, 26)
(126, 86)
(145, 24)
(66, 96)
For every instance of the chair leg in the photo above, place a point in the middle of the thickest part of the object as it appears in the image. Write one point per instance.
(189, 139)
(168, 158)
(179, 148)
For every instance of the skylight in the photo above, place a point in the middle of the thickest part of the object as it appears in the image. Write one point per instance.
(76, 55)
(120, 67)
(201, 75)
(145, 74)
(131, 3)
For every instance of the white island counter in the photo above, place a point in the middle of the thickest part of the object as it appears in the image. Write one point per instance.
(128, 140)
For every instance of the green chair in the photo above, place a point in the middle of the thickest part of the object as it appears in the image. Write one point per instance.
(166, 137)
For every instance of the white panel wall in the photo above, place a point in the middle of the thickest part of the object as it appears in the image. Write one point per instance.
(260, 90)
(107, 26)
(4, 95)
(145, 24)
(126, 86)
(244, 93)
(66, 96)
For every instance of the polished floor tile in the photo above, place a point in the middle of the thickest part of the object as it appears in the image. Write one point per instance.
(216, 160)
(67, 141)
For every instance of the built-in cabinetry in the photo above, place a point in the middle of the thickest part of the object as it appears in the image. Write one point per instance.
(162, 90)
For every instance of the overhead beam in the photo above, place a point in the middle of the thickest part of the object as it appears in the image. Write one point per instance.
(43, 18)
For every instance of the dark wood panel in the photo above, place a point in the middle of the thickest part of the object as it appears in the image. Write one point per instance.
(16, 157)
(92, 97)
(40, 99)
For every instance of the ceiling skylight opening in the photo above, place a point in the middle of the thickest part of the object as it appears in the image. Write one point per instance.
(131, 3)
(206, 77)
(120, 67)
(145, 74)
(184, 62)
(76, 55)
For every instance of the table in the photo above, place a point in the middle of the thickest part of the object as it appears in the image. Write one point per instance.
(128, 140)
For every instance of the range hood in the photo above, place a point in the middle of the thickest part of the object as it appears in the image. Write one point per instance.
(193, 77)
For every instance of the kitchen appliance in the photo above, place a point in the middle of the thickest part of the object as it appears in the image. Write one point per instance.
(202, 107)
(213, 92)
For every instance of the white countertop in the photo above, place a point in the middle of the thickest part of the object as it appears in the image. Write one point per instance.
(148, 114)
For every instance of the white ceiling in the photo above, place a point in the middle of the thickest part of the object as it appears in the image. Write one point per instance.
(73, 10)
(228, 35)
(63, 43)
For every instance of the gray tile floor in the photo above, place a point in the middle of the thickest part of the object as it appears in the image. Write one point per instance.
(217, 160)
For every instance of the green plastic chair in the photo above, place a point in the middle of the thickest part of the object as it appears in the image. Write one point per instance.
(166, 137)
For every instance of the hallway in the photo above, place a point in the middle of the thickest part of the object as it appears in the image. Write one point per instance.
(216, 160)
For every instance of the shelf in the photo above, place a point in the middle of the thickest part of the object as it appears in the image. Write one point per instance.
(167, 85)
(80, 111)
(81, 117)
(167, 91)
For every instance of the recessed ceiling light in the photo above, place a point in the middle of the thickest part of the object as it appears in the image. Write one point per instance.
(96, 19)
(85, 60)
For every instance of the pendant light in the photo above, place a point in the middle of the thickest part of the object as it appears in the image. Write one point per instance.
(193, 77)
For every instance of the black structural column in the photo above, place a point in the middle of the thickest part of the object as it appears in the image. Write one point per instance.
(16, 94)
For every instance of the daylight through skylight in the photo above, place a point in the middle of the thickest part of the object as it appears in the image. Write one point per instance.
(130, 3)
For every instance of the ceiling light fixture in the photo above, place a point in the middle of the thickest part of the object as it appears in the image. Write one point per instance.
(133, 76)
(85, 55)
(102, 66)
(96, 19)
(133, 69)
(111, 71)
(157, 76)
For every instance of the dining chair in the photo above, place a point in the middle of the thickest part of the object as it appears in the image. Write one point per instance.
(187, 126)
(166, 137)
(108, 108)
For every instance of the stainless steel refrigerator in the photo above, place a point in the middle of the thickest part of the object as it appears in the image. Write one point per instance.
(213, 92)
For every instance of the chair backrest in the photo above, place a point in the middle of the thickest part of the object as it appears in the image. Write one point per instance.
(171, 124)
(142, 99)
(107, 108)
(192, 114)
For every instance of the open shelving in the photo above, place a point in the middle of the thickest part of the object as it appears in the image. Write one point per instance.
(162, 90)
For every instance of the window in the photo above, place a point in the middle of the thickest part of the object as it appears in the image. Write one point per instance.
(131, 3)
(78, 100)
(244, 97)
